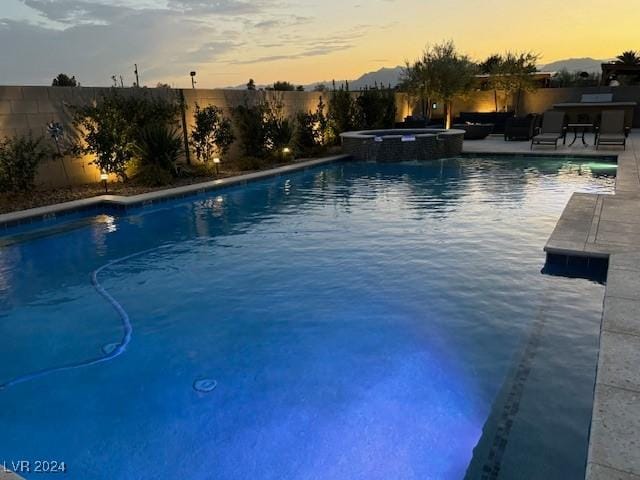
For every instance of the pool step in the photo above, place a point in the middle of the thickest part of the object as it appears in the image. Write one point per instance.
(575, 234)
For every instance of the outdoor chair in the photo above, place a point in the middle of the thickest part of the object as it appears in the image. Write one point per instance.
(611, 130)
(553, 129)
(521, 128)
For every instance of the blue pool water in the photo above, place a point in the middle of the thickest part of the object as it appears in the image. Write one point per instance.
(354, 321)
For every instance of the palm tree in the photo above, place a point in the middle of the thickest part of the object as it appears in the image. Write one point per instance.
(629, 57)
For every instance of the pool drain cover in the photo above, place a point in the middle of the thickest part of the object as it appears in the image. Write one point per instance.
(205, 385)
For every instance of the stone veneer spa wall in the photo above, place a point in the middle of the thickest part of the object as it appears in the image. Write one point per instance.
(401, 145)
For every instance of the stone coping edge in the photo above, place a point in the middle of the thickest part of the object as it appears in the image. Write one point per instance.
(47, 212)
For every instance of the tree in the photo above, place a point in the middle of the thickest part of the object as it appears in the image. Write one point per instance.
(283, 86)
(491, 67)
(300, 88)
(630, 57)
(448, 73)
(251, 85)
(64, 80)
(212, 133)
(514, 75)
(320, 87)
(415, 80)
(163, 85)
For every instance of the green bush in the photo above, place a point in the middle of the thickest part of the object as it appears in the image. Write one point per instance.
(263, 129)
(376, 108)
(111, 125)
(153, 175)
(311, 134)
(252, 163)
(251, 129)
(157, 148)
(343, 113)
(212, 133)
(19, 160)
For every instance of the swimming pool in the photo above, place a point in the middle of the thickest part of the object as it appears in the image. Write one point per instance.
(353, 321)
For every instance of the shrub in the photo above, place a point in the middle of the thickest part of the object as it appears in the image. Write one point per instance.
(311, 131)
(264, 129)
(251, 163)
(343, 112)
(278, 127)
(19, 160)
(251, 129)
(110, 127)
(211, 134)
(158, 145)
(376, 108)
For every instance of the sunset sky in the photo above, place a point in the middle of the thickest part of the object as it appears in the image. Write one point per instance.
(229, 41)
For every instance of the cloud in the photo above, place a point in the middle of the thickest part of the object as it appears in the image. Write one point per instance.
(310, 52)
(95, 39)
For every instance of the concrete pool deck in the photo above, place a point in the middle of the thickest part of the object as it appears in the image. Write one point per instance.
(604, 226)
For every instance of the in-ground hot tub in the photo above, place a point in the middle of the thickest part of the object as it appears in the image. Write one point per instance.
(403, 144)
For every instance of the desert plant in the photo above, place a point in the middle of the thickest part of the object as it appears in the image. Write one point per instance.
(111, 125)
(19, 160)
(156, 149)
(212, 133)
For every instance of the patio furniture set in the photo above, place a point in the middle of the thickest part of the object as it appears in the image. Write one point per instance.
(611, 129)
(610, 121)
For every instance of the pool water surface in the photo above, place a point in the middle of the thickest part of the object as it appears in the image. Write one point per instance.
(353, 321)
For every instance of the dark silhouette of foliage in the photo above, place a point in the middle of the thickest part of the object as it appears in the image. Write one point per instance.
(63, 80)
(343, 112)
(310, 135)
(376, 108)
(629, 57)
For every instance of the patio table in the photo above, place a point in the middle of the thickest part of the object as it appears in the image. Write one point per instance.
(579, 127)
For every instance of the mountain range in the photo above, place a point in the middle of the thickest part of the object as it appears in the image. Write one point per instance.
(391, 75)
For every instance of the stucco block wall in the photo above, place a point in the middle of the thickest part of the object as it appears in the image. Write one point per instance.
(27, 110)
